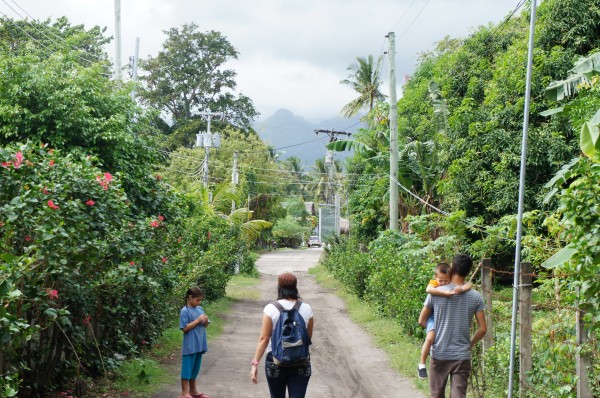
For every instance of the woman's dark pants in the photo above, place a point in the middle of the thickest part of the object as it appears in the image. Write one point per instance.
(294, 378)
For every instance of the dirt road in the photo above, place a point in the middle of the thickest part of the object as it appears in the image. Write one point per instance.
(345, 361)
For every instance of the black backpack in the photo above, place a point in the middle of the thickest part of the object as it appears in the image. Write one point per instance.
(290, 340)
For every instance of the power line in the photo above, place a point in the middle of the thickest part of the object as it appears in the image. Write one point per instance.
(55, 35)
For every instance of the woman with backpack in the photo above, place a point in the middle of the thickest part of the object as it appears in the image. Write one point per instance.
(285, 335)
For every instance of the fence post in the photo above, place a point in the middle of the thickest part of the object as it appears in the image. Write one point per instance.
(582, 361)
(486, 287)
(525, 343)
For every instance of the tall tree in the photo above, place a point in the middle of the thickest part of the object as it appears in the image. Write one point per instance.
(189, 76)
(365, 80)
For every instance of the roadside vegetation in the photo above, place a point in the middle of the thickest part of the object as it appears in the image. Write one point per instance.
(459, 127)
(105, 219)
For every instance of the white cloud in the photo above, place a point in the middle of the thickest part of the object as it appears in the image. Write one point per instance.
(292, 53)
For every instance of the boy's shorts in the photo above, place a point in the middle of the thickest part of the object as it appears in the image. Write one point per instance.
(190, 366)
(430, 324)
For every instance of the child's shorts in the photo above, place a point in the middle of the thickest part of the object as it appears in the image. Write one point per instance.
(430, 324)
(190, 366)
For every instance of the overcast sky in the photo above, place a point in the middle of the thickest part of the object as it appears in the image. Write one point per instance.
(293, 53)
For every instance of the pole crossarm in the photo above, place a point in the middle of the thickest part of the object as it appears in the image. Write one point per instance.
(332, 134)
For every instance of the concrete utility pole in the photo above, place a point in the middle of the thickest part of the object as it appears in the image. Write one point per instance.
(329, 157)
(134, 65)
(234, 178)
(118, 39)
(208, 140)
(393, 134)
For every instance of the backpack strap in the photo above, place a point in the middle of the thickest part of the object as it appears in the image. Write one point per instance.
(297, 305)
(278, 305)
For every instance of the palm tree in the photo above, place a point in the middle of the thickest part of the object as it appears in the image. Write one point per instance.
(365, 80)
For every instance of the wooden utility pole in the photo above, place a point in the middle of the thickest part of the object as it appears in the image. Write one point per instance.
(393, 134)
(526, 325)
(486, 288)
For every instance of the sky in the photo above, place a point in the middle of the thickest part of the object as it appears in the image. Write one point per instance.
(292, 53)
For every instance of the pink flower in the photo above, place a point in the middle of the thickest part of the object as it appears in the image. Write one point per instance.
(27, 238)
(164, 259)
(161, 218)
(45, 191)
(52, 205)
(155, 224)
(141, 269)
(6, 164)
(51, 162)
(104, 180)
(52, 293)
(90, 202)
(18, 160)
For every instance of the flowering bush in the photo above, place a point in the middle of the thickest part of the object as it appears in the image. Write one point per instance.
(67, 236)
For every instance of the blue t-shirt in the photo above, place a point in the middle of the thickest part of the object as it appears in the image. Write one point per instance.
(194, 341)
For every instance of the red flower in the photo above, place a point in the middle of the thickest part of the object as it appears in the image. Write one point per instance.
(132, 263)
(90, 202)
(86, 320)
(18, 160)
(164, 259)
(52, 205)
(52, 293)
(161, 218)
(179, 240)
(51, 162)
(6, 164)
(155, 224)
(45, 191)
(158, 177)
(209, 234)
(27, 238)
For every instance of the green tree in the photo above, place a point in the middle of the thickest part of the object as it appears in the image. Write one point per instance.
(365, 80)
(189, 76)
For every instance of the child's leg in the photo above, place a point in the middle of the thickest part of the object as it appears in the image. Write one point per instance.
(429, 338)
(186, 370)
(194, 373)
(185, 388)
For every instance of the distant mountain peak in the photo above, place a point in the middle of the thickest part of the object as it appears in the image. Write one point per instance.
(293, 135)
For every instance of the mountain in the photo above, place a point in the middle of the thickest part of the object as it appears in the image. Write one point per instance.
(293, 135)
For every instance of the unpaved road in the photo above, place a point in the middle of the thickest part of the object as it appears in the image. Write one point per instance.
(345, 361)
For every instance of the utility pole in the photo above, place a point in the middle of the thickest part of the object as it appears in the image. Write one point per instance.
(393, 134)
(234, 178)
(329, 158)
(118, 39)
(208, 140)
(134, 65)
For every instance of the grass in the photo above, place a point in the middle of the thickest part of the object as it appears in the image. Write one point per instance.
(143, 376)
(403, 351)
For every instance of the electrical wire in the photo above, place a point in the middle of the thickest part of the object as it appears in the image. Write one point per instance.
(98, 58)
(36, 40)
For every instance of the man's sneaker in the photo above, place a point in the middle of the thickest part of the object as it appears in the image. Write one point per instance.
(422, 373)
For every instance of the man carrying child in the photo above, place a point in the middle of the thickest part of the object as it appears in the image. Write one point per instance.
(451, 349)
